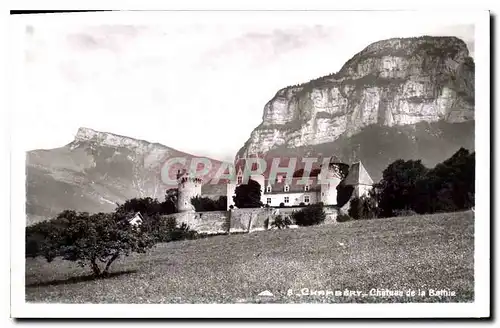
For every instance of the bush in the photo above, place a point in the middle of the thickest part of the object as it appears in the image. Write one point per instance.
(343, 217)
(310, 215)
(363, 208)
(166, 229)
(282, 204)
(281, 222)
(302, 204)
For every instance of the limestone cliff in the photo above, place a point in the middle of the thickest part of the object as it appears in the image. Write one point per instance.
(390, 83)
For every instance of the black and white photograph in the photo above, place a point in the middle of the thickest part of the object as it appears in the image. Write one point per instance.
(178, 162)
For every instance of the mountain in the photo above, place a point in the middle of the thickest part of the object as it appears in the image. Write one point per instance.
(398, 98)
(97, 170)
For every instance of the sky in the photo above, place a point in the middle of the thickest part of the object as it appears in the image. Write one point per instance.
(199, 87)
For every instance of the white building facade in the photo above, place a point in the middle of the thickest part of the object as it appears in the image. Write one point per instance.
(295, 192)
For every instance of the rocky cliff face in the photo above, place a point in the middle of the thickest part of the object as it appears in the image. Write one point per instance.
(390, 83)
(96, 171)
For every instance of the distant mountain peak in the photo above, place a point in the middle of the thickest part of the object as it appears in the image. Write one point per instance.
(111, 139)
(97, 170)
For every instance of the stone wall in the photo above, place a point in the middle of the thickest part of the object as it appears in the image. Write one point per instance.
(204, 222)
(240, 220)
(250, 219)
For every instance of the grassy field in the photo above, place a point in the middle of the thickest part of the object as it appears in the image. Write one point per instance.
(398, 254)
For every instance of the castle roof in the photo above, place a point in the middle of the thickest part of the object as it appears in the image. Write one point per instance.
(130, 216)
(335, 160)
(358, 175)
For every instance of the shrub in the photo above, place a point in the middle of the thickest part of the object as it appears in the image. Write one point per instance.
(166, 229)
(302, 204)
(310, 215)
(343, 217)
(282, 204)
(363, 208)
(281, 222)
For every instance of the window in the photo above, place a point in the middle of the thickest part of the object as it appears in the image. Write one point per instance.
(287, 200)
(269, 201)
(268, 189)
(306, 188)
(240, 180)
(306, 199)
(287, 188)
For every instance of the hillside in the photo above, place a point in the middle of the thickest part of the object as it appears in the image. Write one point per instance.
(94, 172)
(421, 252)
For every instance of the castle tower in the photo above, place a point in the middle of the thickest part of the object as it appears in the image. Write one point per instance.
(359, 178)
(330, 177)
(188, 187)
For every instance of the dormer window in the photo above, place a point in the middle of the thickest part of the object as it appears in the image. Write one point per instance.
(280, 179)
(287, 188)
(240, 179)
(268, 189)
(306, 188)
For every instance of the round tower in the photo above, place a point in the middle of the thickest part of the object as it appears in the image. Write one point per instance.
(188, 187)
(331, 176)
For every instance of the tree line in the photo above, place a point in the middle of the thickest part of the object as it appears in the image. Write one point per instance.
(408, 187)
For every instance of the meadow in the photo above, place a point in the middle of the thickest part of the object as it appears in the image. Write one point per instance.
(304, 265)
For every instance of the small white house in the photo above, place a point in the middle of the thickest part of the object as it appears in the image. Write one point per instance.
(136, 220)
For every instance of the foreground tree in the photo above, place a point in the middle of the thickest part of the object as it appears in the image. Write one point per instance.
(90, 240)
(450, 186)
(248, 195)
(397, 189)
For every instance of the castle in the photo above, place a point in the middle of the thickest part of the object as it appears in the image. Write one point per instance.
(280, 191)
